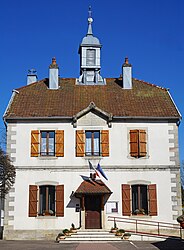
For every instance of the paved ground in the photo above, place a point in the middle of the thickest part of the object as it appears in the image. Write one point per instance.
(125, 245)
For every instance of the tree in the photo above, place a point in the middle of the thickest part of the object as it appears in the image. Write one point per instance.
(7, 174)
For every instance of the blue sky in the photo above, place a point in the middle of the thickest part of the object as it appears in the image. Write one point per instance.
(150, 33)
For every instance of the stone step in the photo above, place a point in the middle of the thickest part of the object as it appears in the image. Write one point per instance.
(92, 239)
(93, 235)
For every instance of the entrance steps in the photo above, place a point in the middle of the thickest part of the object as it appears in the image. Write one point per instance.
(92, 235)
(105, 236)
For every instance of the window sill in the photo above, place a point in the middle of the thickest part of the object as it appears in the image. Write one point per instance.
(47, 157)
(140, 216)
(138, 158)
(93, 157)
(46, 217)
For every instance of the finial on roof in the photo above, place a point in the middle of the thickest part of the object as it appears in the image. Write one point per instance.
(90, 20)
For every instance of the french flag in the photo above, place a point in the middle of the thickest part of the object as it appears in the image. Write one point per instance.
(92, 168)
(101, 171)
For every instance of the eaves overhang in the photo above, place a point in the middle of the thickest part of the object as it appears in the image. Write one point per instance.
(49, 118)
(176, 119)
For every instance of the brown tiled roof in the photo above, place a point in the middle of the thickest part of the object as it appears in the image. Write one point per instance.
(92, 187)
(143, 100)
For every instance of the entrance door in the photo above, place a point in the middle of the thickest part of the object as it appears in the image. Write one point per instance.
(92, 211)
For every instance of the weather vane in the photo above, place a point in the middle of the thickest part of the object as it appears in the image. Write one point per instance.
(89, 11)
(90, 19)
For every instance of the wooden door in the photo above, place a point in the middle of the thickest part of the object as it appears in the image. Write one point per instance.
(92, 211)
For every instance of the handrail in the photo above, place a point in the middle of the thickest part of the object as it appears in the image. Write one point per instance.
(158, 226)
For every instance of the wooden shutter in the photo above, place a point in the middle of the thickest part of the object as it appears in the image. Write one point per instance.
(34, 143)
(105, 142)
(152, 194)
(60, 200)
(59, 143)
(126, 200)
(134, 143)
(80, 143)
(142, 143)
(33, 190)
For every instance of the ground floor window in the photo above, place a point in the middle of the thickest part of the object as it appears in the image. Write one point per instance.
(139, 199)
(46, 200)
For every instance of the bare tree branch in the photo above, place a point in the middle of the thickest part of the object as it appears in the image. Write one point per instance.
(7, 174)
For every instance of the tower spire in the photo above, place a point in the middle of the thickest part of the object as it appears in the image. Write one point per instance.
(90, 20)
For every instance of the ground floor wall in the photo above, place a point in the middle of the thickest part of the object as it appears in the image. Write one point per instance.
(19, 225)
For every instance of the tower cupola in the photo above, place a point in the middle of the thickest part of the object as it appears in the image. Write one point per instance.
(89, 51)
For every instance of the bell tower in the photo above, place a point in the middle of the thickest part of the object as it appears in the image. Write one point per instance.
(89, 51)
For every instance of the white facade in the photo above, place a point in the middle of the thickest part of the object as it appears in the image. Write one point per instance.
(157, 167)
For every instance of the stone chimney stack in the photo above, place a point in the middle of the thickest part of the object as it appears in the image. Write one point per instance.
(127, 74)
(31, 76)
(53, 75)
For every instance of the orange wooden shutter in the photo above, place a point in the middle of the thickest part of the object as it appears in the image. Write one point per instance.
(134, 143)
(60, 200)
(80, 143)
(152, 194)
(142, 143)
(34, 143)
(33, 200)
(105, 142)
(126, 199)
(59, 143)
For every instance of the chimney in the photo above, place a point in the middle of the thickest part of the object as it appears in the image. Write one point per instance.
(53, 75)
(127, 74)
(31, 76)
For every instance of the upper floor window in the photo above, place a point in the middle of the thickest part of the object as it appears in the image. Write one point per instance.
(138, 144)
(92, 143)
(47, 143)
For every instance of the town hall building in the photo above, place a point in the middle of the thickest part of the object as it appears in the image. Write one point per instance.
(88, 148)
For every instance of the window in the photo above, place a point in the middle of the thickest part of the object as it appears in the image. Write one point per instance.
(46, 200)
(90, 58)
(139, 199)
(138, 143)
(47, 143)
(92, 143)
